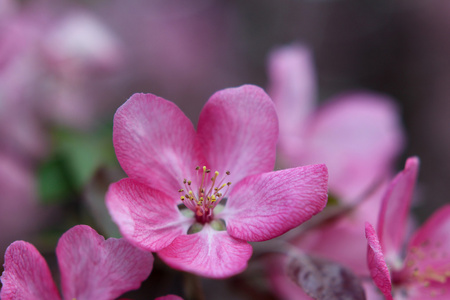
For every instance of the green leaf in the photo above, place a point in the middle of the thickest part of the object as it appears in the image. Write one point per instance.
(53, 182)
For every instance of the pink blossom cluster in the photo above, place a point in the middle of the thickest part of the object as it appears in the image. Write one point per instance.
(258, 167)
(357, 135)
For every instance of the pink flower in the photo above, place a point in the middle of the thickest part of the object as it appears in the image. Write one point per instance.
(424, 272)
(357, 134)
(229, 159)
(21, 214)
(90, 266)
(340, 240)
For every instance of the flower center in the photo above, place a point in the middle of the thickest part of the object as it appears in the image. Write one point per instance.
(206, 197)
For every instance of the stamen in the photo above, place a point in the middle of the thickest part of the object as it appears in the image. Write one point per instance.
(203, 198)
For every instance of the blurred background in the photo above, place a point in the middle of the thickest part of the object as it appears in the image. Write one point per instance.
(66, 66)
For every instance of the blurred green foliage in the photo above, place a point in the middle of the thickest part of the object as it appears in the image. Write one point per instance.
(74, 159)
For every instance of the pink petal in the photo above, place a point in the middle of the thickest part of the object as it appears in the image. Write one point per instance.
(145, 216)
(357, 136)
(208, 253)
(394, 211)
(156, 143)
(431, 290)
(377, 265)
(26, 275)
(331, 240)
(267, 205)
(21, 214)
(429, 249)
(238, 129)
(92, 268)
(293, 90)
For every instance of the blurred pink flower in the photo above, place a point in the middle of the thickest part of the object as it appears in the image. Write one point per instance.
(90, 266)
(20, 130)
(79, 53)
(157, 146)
(51, 56)
(21, 215)
(423, 273)
(357, 134)
(340, 239)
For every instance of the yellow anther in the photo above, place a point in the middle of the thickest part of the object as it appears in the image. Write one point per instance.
(197, 168)
(228, 172)
(180, 190)
(191, 193)
(216, 173)
(182, 198)
(189, 182)
(204, 168)
(228, 183)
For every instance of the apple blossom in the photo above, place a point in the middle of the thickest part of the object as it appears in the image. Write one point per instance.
(356, 134)
(173, 202)
(424, 271)
(90, 266)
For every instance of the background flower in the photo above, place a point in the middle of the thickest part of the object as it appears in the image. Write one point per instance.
(424, 271)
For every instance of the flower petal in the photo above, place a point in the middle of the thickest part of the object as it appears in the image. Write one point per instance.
(156, 143)
(377, 265)
(208, 253)
(145, 216)
(238, 128)
(293, 90)
(26, 275)
(331, 239)
(429, 249)
(357, 135)
(92, 268)
(393, 217)
(264, 206)
(430, 290)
